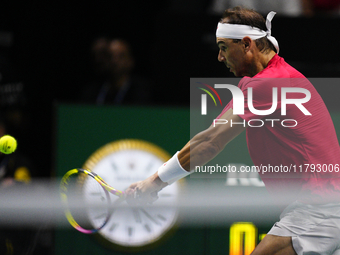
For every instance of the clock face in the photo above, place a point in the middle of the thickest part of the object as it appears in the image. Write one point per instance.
(132, 227)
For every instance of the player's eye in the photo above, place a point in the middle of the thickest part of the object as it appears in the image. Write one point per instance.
(223, 48)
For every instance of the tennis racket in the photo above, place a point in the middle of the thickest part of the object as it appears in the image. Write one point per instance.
(81, 188)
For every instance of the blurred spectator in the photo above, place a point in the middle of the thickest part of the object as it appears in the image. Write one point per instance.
(320, 7)
(15, 171)
(114, 82)
(282, 7)
(13, 101)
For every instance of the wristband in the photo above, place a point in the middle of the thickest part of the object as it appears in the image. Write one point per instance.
(172, 170)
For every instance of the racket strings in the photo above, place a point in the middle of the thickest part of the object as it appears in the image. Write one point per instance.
(87, 202)
(97, 202)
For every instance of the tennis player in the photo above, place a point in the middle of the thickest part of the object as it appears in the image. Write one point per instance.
(311, 222)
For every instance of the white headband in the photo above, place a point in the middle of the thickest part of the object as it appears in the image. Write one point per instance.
(235, 31)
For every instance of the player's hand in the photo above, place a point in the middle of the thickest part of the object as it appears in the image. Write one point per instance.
(144, 192)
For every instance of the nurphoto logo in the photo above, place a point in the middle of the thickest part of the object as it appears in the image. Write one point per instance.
(238, 104)
(204, 98)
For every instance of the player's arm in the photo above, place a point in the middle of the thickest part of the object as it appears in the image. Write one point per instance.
(202, 148)
(207, 144)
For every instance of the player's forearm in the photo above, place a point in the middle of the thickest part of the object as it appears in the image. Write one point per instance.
(202, 148)
(199, 151)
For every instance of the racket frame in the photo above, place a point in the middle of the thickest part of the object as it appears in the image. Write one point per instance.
(106, 187)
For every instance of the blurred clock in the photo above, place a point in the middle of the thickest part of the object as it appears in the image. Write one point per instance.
(120, 164)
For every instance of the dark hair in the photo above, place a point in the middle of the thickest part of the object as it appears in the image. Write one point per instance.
(243, 16)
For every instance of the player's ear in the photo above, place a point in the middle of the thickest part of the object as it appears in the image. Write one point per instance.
(246, 41)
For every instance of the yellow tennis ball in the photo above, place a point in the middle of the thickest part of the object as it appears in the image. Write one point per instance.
(8, 144)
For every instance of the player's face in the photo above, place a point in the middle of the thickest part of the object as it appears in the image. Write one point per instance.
(232, 54)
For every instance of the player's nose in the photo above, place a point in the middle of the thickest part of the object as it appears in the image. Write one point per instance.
(220, 57)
